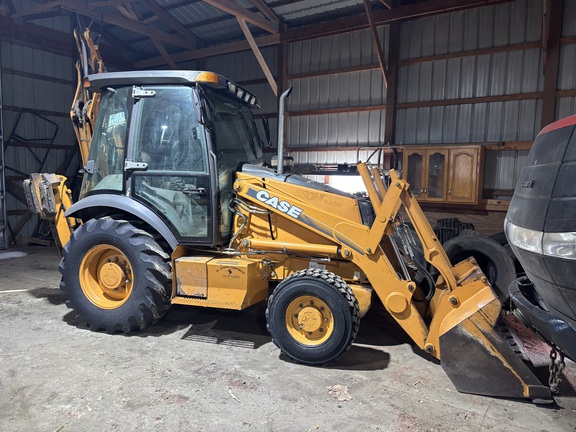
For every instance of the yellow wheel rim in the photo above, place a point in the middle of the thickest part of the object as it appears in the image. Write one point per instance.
(309, 320)
(106, 276)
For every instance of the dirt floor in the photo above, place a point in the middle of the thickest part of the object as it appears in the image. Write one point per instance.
(200, 370)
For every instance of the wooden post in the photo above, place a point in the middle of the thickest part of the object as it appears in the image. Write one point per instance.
(379, 52)
(258, 54)
(392, 88)
(552, 60)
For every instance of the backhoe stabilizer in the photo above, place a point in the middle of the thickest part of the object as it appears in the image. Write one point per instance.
(478, 360)
(48, 196)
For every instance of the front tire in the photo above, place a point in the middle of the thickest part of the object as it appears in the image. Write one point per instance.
(116, 276)
(313, 317)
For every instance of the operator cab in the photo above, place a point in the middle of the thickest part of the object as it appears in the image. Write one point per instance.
(172, 140)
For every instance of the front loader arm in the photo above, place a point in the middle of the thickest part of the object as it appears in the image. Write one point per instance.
(462, 312)
(85, 103)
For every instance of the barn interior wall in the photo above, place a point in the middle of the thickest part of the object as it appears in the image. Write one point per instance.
(490, 55)
(38, 87)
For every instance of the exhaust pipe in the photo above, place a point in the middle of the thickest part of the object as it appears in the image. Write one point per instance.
(281, 111)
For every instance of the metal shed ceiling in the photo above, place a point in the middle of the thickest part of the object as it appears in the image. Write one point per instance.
(137, 30)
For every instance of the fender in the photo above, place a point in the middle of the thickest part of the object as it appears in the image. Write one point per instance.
(90, 205)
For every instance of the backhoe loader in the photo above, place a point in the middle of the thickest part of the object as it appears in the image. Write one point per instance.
(176, 208)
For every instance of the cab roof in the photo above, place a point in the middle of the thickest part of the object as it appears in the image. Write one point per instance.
(97, 82)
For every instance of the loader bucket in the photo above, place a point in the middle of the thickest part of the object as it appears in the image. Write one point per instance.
(479, 360)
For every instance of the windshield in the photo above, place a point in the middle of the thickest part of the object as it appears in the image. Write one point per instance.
(235, 136)
(235, 141)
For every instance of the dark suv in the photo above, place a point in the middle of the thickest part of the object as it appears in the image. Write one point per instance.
(541, 229)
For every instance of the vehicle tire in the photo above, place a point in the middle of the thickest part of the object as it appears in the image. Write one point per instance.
(500, 238)
(116, 276)
(490, 256)
(469, 232)
(313, 317)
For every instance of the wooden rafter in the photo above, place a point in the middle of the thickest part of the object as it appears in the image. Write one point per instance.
(36, 9)
(115, 42)
(262, 41)
(130, 12)
(258, 55)
(163, 52)
(169, 19)
(128, 24)
(107, 3)
(53, 41)
(239, 12)
(265, 10)
(381, 17)
(386, 3)
(376, 39)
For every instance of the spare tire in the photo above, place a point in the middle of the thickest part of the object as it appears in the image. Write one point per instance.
(490, 256)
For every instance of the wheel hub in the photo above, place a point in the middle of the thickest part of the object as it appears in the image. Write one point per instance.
(111, 277)
(310, 319)
(106, 276)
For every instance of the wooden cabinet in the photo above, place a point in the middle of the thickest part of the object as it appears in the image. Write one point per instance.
(444, 173)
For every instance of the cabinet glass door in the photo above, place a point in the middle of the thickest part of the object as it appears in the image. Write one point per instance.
(415, 168)
(436, 175)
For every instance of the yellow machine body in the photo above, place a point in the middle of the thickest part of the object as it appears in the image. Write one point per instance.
(463, 309)
(224, 283)
(291, 232)
(49, 197)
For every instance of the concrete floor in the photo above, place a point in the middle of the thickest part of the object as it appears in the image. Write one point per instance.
(200, 370)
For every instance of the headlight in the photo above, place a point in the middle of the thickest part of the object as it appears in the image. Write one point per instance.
(523, 238)
(560, 245)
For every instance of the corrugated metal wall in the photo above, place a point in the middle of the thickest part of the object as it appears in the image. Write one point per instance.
(320, 89)
(566, 76)
(336, 108)
(337, 90)
(494, 74)
(3, 227)
(40, 81)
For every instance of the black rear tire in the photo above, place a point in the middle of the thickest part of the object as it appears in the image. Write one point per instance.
(490, 256)
(116, 276)
(313, 317)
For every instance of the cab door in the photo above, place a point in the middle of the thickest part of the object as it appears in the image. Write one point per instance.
(168, 169)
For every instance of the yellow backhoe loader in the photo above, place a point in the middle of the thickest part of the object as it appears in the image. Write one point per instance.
(175, 208)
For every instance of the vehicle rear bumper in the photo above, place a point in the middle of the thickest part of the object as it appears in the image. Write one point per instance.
(556, 331)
